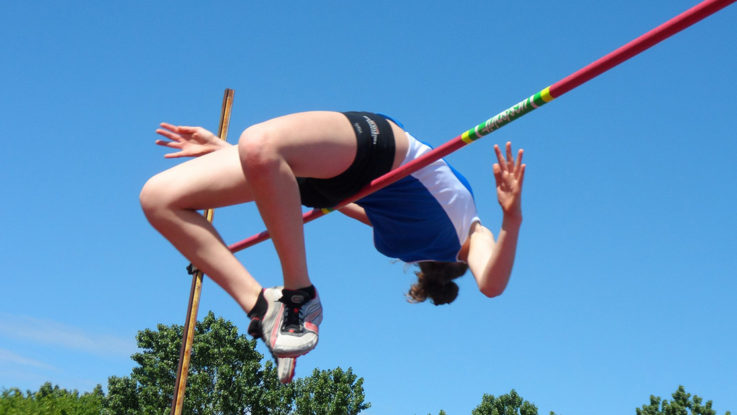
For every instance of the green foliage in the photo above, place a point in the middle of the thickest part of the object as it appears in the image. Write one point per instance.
(225, 374)
(225, 377)
(507, 404)
(122, 397)
(51, 400)
(330, 392)
(682, 404)
(325, 392)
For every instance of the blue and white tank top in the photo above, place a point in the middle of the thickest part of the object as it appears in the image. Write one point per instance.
(425, 216)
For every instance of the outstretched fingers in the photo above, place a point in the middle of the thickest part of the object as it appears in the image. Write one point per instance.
(170, 144)
(521, 175)
(181, 129)
(500, 158)
(497, 169)
(510, 159)
(518, 166)
(508, 163)
(168, 126)
(509, 173)
(174, 138)
(169, 131)
(175, 132)
(176, 135)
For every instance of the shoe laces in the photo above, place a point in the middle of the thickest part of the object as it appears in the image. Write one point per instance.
(293, 319)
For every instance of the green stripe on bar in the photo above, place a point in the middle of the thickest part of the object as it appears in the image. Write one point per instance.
(538, 99)
(510, 114)
(545, 93)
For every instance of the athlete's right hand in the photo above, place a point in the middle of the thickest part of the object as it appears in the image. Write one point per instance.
(509, 175)
(190, 141)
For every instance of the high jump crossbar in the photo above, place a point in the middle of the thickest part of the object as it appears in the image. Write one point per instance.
(594, 69)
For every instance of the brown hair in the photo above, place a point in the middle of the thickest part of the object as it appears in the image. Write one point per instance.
(434, 280)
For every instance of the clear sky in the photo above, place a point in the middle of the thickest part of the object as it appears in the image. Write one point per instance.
(626, 277)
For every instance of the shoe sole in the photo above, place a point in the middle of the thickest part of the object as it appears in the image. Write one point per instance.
(285, 369)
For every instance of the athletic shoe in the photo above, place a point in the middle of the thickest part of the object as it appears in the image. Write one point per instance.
(285, 368)
(298, 331)
(284, 365)
(290, 325)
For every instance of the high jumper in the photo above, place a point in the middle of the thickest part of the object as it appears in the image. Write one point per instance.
(272, 166)
(318, 159)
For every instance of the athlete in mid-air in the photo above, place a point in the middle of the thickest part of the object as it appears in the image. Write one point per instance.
(318, 159)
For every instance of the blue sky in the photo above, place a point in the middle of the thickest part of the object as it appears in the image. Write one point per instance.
(626, 276)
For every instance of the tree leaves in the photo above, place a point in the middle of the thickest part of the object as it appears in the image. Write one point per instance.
(51, 400)
(682, 404)
(507, 404)
(330, 392)
(226, 376)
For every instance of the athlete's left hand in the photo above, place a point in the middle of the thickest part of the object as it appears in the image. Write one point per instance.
(190, 141)
(509, 175)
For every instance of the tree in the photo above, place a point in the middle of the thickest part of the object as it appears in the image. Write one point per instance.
(507, 404)
(330, 392)
(225, 377)
(51, 400)
(122, 397)
(225, 374)
(682, 404)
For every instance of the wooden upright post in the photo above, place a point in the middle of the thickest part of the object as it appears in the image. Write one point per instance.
(196, 289)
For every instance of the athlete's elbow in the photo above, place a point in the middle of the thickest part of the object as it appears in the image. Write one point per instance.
(495, 286)
(492, 292)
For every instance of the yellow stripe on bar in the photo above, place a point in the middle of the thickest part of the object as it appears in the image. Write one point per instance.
(545, 95)
(465, 137)
(326, 210)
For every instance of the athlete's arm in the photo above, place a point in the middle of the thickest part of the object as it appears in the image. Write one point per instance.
(356, 212)
(491, 261)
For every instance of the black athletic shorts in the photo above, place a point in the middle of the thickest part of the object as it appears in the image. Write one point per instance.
(374, 158)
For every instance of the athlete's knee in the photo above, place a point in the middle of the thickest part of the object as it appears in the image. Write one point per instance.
(258, 149)
(154, 196)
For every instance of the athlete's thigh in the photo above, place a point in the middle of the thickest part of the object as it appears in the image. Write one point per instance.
(320, 144)
(209, 181)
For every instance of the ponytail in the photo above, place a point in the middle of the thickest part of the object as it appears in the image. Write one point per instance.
(434, 281)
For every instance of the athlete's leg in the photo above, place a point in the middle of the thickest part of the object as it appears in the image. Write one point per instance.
(269, 157)
(273, 154)
(170, 201)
